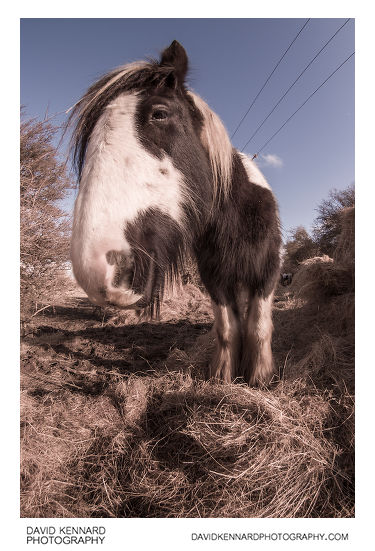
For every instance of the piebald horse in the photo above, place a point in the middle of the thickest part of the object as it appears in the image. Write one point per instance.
(158, 177)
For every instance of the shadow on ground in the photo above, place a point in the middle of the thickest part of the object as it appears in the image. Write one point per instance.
(74, 334)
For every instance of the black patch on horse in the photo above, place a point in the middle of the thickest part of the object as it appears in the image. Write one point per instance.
(177, 135)
(241, 241)
(157, 246)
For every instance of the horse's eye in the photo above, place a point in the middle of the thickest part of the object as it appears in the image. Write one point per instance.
(159, 114)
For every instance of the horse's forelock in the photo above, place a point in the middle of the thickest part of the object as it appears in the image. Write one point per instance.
(216, 141)
(86, 112)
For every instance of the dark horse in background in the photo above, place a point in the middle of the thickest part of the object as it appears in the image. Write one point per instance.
(158, 177)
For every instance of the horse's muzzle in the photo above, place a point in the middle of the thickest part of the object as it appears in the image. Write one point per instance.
(117, 290)
(122, 298)
(110, 280)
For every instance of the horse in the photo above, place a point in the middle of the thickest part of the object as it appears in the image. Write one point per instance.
(159, 178)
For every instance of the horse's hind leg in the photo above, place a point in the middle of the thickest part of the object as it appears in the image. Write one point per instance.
(226, 358)
(256, 358)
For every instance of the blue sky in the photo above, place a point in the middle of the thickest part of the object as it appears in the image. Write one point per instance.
(230, 60)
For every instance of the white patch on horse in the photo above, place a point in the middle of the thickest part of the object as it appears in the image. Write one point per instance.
(228, 341)
(259, 330)
(120, 179)
(254, 174)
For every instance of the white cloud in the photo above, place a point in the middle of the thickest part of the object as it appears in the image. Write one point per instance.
(272, 160)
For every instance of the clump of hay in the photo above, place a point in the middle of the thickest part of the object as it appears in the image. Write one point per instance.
(172, 446)
(322, 317)
(229, 451)
(321, 278)
(184, 301)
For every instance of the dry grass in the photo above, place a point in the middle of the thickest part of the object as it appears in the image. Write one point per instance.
(103, 438)
(345, 249)
(171, 446)
(321, 278)
(180, 302)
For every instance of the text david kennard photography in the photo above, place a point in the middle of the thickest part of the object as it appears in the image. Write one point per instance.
(65, 535)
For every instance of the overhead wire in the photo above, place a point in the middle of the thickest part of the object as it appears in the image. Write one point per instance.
(291, 86)
(274, 69)
(304, 103)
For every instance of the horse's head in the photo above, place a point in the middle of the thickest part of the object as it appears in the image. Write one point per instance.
(151, 159)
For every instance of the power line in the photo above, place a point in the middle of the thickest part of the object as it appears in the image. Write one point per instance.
(304, 103)
(264, 85)
(291, 86)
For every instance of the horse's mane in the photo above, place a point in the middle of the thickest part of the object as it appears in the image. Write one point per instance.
(215, 139)
(135, 77)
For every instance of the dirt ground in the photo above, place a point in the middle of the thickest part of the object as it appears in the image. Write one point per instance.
(77, 334)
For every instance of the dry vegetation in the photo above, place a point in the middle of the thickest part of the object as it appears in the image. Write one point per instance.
(117, 420)
(116, 417)
(45, 229)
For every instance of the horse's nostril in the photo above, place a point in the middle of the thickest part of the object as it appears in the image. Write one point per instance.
(111, 257)
(116, 257)
(123, 268)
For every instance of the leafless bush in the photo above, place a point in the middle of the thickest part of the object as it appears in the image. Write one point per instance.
(298, 248)
(344, 253)
(44, 225)
(333, 225)
(328, 223)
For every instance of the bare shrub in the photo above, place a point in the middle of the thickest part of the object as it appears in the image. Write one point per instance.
(44, 225)
(328, 223)
(299, 247)
(333, 229)
(344, 253)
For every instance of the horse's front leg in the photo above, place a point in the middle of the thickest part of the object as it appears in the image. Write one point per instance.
(256, 359)
(226, 358)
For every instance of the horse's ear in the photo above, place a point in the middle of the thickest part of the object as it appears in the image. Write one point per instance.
(176, 57)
